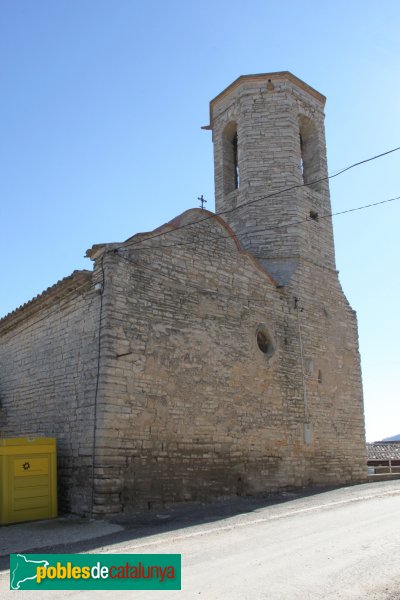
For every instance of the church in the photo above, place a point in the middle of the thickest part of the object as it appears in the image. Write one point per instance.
(214, 356)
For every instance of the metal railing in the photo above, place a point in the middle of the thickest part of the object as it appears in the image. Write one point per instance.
(383, 467)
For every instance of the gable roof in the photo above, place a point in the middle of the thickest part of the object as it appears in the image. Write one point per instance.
(83, 277)
(181, 221)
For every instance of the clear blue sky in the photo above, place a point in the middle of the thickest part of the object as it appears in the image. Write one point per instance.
(101, 108)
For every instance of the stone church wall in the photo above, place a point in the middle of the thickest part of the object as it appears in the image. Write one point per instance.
(188, 406)
(328, 328)
(192, 409)
(48, 367)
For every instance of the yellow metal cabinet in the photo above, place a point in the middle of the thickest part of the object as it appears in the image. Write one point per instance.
(28, 479)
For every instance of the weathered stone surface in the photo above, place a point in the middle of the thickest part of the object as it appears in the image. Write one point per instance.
(48, 366)
(178, 401)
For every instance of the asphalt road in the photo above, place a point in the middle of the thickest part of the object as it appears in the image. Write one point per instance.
(343, 543)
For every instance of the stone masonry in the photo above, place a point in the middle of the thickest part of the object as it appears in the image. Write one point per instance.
(215, 356)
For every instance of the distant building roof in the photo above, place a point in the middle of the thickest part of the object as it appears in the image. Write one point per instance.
(383, 450)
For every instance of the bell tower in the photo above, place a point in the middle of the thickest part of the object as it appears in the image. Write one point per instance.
(270, 170)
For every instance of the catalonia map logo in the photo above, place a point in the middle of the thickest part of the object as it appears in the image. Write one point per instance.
(95, 572)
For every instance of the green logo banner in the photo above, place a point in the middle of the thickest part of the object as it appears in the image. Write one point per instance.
(95, 571)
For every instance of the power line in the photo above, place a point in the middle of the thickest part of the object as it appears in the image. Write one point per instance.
(271, 195)
(200, 288)
(343, 212)
(221, 237)
(246, 301)
(96, 390)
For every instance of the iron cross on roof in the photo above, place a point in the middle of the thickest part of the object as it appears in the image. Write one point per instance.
(203, 201)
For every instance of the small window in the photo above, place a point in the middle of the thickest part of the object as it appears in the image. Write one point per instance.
(301, 156)
(309, 153)
(264, 340)
(309, 366)
(230, 158)
(235, 160)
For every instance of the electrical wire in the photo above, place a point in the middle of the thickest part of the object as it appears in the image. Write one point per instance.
(96, 391)
(273, 228)
(267, 196)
